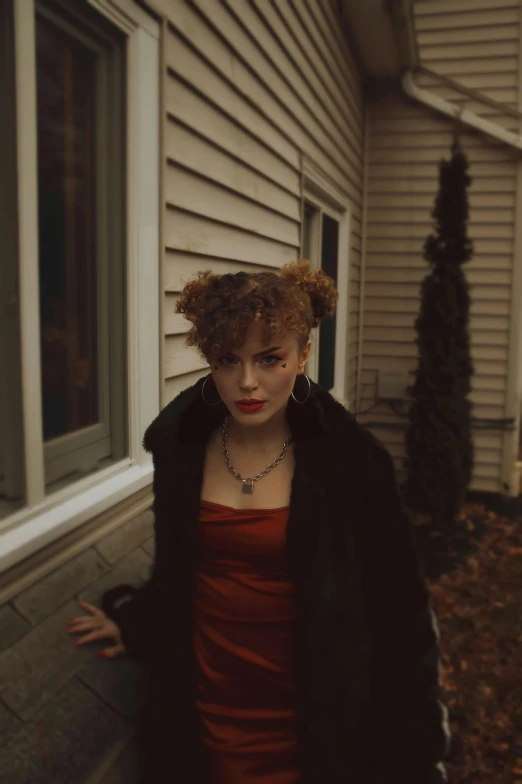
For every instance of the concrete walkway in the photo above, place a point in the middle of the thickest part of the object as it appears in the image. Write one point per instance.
(67, 717)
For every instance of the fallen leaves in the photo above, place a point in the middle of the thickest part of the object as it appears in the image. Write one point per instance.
(478, 604)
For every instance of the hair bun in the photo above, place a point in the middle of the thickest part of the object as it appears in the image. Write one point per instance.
(319, 287)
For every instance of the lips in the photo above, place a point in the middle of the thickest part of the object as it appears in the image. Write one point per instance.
(251, 405)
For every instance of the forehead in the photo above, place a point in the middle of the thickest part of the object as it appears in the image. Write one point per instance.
(258, 338)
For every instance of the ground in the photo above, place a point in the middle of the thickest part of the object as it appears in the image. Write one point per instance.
(474, 577)
(67, 718)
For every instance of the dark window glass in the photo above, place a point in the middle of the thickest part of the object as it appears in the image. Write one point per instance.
(329, 262)
(66, 91)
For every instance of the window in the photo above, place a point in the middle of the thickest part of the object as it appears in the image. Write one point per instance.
(79, 272)
(325, 233)
(80, 149)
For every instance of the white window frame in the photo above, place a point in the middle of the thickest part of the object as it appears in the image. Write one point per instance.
(323, 195)
(45, 519)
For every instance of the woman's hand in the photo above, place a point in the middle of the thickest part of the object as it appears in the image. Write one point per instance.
(96, 626)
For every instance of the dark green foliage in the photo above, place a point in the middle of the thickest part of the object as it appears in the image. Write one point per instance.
(438, 441)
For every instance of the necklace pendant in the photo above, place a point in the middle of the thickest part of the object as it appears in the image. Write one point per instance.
(248, 485)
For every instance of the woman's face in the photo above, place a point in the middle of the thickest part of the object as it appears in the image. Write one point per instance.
(260, 372)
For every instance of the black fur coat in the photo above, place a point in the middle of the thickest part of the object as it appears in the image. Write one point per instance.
(368, 662)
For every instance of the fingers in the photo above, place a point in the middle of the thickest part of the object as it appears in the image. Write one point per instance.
(91, 607)
(96, 635)
(110, 653)
(87, 623)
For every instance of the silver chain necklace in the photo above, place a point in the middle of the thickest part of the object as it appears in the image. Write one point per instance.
(248, 484)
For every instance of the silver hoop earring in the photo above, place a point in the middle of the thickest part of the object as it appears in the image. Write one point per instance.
(309, 390)
(203, 394)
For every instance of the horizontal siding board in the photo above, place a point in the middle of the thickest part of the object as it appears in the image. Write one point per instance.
(247, 85)
(383, 319)
(334, 41)
(427, 154)
(173, 323)
(387, 334)
(436, 7)
(419, 215)
(180, 268)
(412, 291)
(224, 132)
(179, 359)
(416, 261)
(190, 192)
(288, 42)
(471, 49)
(369, 380)
(191, 151)
(325, 50)
(475, 81)
(287, 83)
(471, 34)
(488, 231)
(506, 96)
(409, 350)
(485, 246)
(480, 170)
(494, 185)
(398, 276)
(259, 62)
(439, 141)
(454, 21)
(474, 68)
(350, 106)
(393, 364)
(194, 234)
(414, 202)
(174, 386)
(185, 62)
(421, 124)
(383, 304)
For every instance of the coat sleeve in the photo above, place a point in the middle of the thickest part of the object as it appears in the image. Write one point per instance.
(140, 612)
(408, 720)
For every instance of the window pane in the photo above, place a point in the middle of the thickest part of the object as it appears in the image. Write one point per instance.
(329, 260)
(66, 92)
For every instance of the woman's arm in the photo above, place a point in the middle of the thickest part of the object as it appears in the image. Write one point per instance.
(408, 718)
(140, 612)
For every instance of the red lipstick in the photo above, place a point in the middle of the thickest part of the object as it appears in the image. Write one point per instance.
(250, 404)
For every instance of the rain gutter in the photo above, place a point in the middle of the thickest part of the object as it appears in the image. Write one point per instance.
(459, 113)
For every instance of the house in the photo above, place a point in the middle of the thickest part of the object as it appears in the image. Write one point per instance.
(145, 141)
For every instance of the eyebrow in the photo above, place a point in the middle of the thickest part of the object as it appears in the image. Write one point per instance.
(261, 353)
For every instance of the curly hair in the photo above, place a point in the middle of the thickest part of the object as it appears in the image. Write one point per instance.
(222, 307)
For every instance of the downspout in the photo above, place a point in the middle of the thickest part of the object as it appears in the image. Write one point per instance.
(464, 116)
(406, 43)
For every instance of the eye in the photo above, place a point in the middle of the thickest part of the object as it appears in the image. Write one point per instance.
(225, 360)
(270, 357)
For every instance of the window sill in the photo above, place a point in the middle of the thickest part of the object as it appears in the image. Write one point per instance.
(30, 529)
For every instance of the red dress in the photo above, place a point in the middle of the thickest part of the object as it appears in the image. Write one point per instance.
(244, 645)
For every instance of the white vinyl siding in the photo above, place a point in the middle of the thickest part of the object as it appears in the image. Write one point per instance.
(478, 47)
(476, 44)
(401, 192)
(250, 90)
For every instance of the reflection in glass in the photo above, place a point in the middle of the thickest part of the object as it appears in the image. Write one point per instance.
(66, 92)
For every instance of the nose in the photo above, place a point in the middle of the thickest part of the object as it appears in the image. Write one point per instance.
(248, 380)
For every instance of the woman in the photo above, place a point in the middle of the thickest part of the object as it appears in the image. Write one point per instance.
(286, 622)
